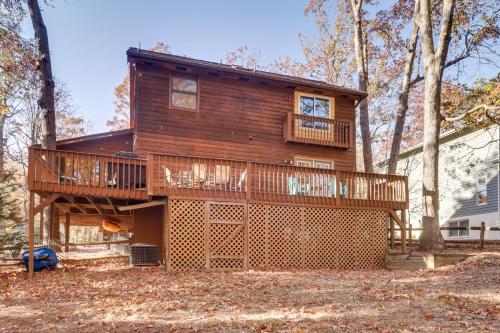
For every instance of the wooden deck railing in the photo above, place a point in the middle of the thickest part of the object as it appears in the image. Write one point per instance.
(231, 179)
(185, 176)
(317, 130)
(86, 174)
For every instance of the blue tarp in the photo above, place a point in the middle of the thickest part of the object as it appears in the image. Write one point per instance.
(44, 258)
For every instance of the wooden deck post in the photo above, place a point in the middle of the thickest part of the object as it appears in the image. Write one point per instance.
(403, 230)
(66, 232)
(391, 231)
(410, 234)
(248, 182)
(31, 235)
(40, 232)
(481, 235)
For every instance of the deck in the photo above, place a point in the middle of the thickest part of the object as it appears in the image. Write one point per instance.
(83, 174)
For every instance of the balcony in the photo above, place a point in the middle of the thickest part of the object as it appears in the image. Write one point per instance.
(82, 174)
(318, 131)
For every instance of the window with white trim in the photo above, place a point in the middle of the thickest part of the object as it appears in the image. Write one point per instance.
(458, 224)
(482, 190)
(316, 106)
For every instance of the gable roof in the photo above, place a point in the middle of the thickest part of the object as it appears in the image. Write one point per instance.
(97, 136)
(238, 70)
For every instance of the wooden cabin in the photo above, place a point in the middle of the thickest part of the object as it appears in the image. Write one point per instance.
(226, 167)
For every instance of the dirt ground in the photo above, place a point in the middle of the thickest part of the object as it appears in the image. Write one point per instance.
(111, 296)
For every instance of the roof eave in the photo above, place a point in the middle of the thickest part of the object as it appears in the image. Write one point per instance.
(150, 55)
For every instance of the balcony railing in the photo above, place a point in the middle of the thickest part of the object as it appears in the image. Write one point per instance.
(86, 174)
(197, 177)
(317, 130)
(172, 175)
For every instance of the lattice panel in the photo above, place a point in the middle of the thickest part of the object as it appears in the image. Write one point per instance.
(364, 244)
(187, 235)
(312, 237)
(226, 212)
(227, 229)
(279, 236)
(320, 237)
(379, 237)
(346, 236)
(219, 233)
(284, 233)
(258, 241)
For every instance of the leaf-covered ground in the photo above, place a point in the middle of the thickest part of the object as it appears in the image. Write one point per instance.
(110, 296)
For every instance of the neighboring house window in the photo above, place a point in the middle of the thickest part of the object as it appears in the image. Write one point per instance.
(482, 191)
(184, 91)
(458, 224)
(314, 105)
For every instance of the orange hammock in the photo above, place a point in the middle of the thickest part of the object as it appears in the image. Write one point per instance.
(110, 225)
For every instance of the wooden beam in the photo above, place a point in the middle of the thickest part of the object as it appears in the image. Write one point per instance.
(112, 206)
(141, 205)
(47, 201)
(40, 232)
(395, 217)
(31, 235)
(66, 232)
(72, 200)
(403, 230)
(94, 205)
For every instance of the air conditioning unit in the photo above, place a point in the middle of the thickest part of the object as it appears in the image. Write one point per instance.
(143, 254)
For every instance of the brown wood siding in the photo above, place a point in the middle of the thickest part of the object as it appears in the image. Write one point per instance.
(107, 145)
(236, 120)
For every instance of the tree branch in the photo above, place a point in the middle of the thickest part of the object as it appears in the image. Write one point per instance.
(486, 107)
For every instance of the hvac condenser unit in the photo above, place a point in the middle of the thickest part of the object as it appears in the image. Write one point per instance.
(143, 254)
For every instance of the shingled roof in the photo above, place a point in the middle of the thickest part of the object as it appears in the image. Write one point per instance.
(151, 55)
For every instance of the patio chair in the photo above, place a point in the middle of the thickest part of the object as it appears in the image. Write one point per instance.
(199, 173)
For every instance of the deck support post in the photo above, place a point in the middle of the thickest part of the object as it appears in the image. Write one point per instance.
(403, 230)
(41, 231)
(391, 231)
(31, 235)
(66, 232)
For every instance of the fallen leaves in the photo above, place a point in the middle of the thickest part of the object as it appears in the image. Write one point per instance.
(111, 296)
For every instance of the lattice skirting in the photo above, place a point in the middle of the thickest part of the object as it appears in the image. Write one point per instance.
(220, 236)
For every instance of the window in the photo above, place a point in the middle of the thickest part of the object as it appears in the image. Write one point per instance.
(482, 191)
(314, 184)
(184, 91)
(314, 163)
(458, 224)
(314, 105)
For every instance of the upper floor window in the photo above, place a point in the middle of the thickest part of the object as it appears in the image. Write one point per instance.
(314, 105)
(184, 91)
(482, 190)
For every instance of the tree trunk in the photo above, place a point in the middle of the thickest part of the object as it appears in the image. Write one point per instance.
(46, 98)
(404, 94)
(2, 147)
(434, 61)
(361, 65)
(431, 234)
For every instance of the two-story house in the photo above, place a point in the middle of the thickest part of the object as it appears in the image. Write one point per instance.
(468, 181)
(225, 167)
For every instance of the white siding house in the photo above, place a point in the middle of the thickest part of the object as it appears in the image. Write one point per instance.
(468, 181)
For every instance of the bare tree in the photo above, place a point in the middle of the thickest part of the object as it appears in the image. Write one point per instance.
(44, 67)
(360, 49)
(434, 62)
